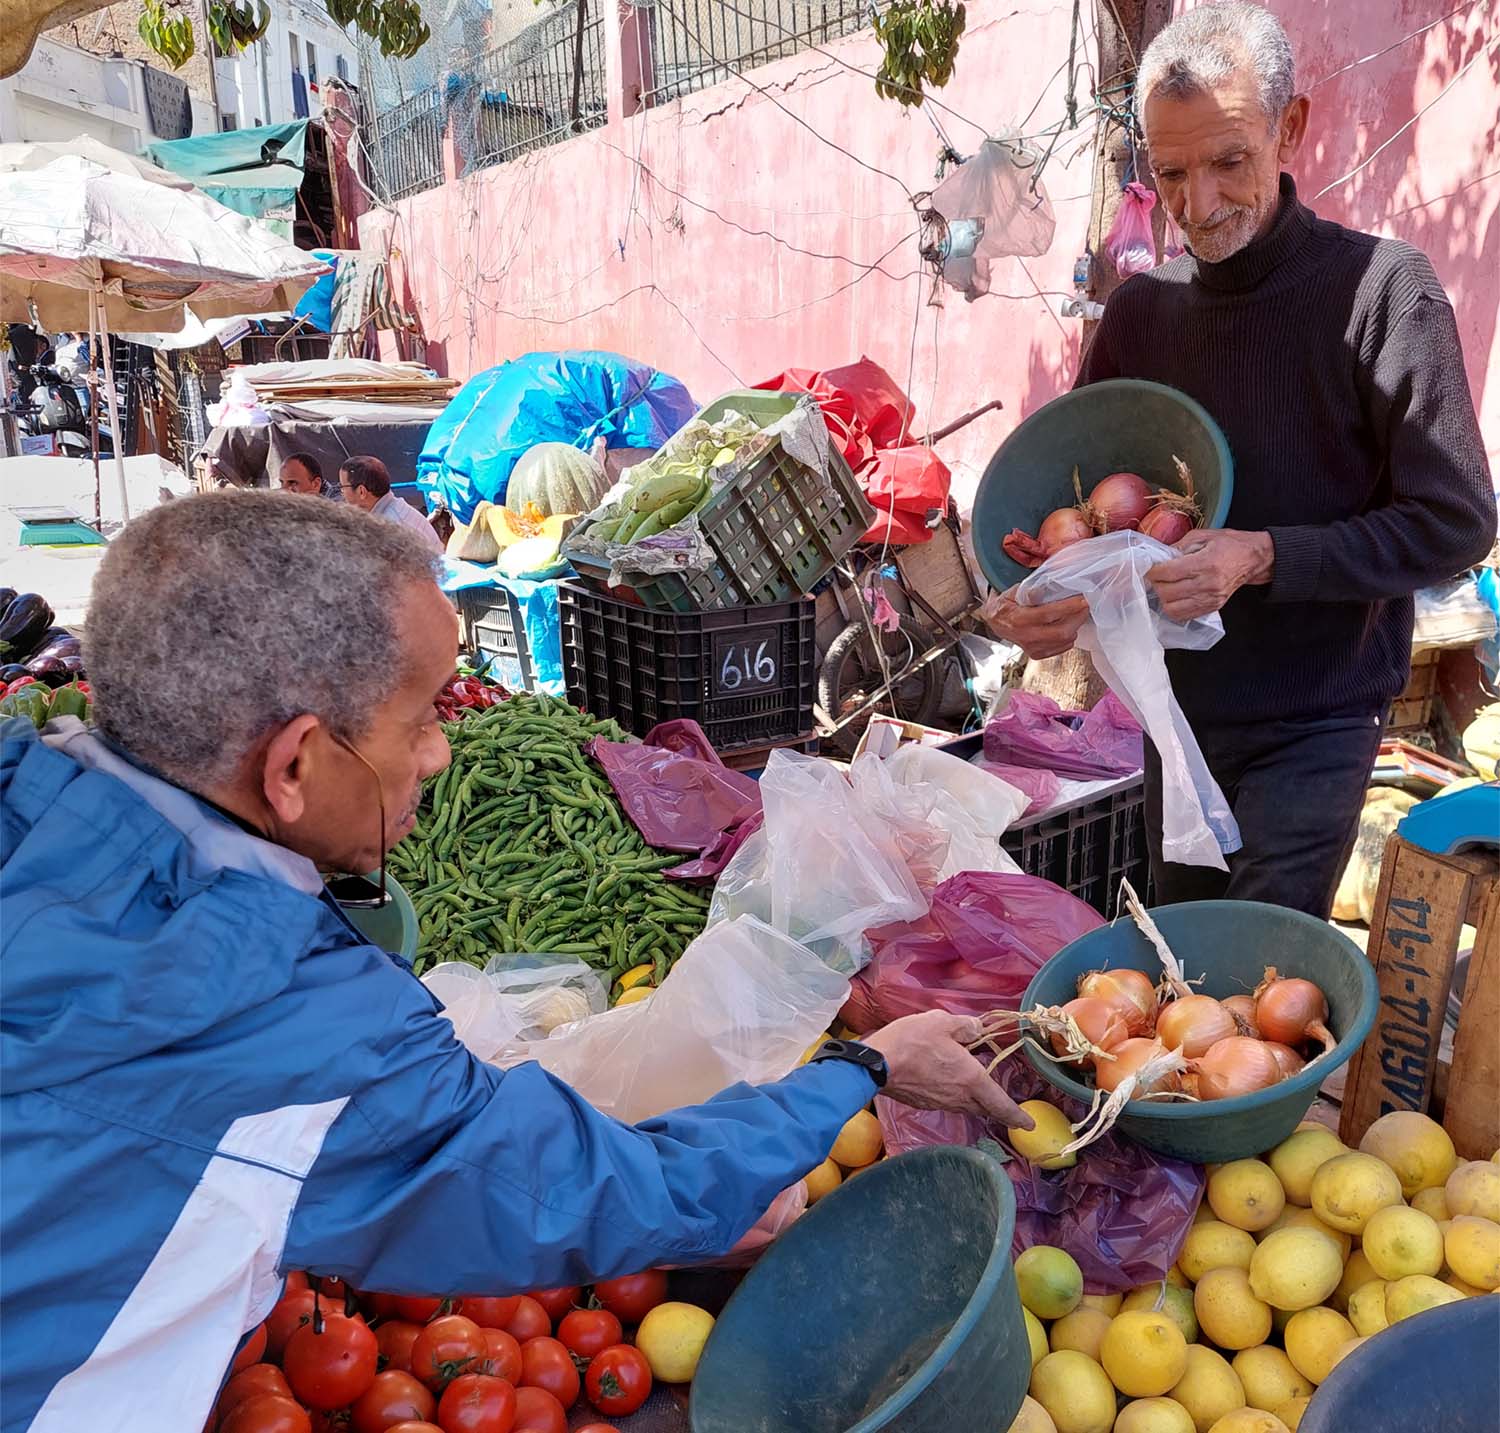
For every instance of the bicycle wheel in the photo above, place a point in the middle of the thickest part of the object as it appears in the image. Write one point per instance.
(851, 675)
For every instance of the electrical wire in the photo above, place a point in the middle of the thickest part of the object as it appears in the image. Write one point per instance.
(1365, 59)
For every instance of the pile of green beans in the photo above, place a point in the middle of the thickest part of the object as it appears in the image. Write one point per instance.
(521, 846)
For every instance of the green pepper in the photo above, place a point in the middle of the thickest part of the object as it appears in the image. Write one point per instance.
(68, 701)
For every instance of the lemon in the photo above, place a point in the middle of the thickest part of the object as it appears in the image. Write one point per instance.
(1075, 1391)
(1296, 1159)
(1176, 1276)
(1143, 1353)
(1269, 1377)
(1349, 1188)
(1295, 1269)
(1367, 1308)
(634, 995)
(1037, 1336)
(1246, 1193)
(823, 1180)
(1291, 1412)
(1313, 1339)
(858, 1143)
(1082, 1330)
(1347, 1349)
(1474, 1188)
(1209, 1388)
(1249, 1420)
(1357, 1271)
(641, 975)
(1399, 1241)
(1215, 1245)
(671, 1337)
(1105, 1303)
(1417, 1148)
(1168, 1299)
(1154, 1415)
(1432, 1202)
(1049, 1281)
(1229, 1312)
(1469, 1291)
(1032, 1418)
(1293, 1217)
(1415, 1294)
(1473, 1251)
(1052, 1133)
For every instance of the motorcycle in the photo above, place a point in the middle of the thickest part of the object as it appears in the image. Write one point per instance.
(53, 405)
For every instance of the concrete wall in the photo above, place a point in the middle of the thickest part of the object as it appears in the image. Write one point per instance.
(768, 223)
(255, 86)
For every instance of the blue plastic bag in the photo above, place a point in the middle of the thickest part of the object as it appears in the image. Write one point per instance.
(316, 305)
(572, 397)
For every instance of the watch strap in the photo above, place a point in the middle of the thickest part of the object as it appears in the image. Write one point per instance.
(854, 1053)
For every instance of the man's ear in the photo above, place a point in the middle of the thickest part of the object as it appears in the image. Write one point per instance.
(286, 767)
(1293, 128)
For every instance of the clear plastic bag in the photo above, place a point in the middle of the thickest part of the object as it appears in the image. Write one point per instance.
(1126, 634)
(1131, 244)
(513, 998)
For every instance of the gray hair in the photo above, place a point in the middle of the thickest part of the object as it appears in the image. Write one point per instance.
(218, 618)
(1198, 52)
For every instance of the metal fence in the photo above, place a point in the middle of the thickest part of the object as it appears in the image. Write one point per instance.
(697, 43)
(406, 146)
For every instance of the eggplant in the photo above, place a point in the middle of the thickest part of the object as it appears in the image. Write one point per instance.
(64, 646)
(50, 671)
(12, 670)
(51, 635)
(7, 596)
(23, 623)
(74, 665)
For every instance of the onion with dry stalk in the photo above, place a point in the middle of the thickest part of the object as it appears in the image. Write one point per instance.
(1155, 1077)
(1119, 502)
(1242, 1007)
(1130, 992)
(1291, 1010)
(1194, 1024)
(1067, 1043)
(1236, 1065)
(1174, 982)
(1129, 1059)
(1103, 1026)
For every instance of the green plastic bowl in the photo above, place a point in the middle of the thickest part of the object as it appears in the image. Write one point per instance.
(1122, 425)
(1229, 943)
(393, 926)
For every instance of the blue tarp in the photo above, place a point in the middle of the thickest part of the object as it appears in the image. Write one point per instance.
(573, 397)
(316, 305)
(539, 615)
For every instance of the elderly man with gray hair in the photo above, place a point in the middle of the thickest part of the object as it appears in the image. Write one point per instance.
(212, 1079)
(1331, 361)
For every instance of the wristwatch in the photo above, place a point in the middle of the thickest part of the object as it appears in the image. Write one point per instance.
(871, 1061)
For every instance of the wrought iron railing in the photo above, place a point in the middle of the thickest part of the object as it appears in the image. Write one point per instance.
(406, 146)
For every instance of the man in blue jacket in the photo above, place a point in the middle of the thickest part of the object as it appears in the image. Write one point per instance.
(209, 1078)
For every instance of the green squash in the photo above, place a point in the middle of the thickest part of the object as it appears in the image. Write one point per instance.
(558, 478)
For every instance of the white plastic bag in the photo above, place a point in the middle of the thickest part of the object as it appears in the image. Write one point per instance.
(1126, 634)
(743, 1003)
(511, 999)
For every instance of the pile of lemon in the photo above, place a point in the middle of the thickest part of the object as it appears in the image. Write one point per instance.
(1294, 1260)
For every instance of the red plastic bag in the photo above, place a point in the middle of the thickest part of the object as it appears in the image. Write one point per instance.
(975, 950)
(1131, 244)
(1032, 730)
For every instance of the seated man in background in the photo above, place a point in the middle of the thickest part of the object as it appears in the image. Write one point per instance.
(366, 484)
(303, 473)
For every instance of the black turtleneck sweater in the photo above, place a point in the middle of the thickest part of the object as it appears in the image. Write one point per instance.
(1331, 361)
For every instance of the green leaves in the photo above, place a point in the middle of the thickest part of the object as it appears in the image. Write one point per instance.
(166, 25)
(169, 34)
(920, 40)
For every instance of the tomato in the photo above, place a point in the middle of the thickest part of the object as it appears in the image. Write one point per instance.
(291, 1312)
(378, 1306)
(331, 1366)
(490, 1313)
(630, 1299)
(537, 1411)
(556, 1301)
(251, 1351)
(589, 1331)
(529, 1320)
(294, 1281)
(413, 1428)
(418, 1311)
(447, 1347)
(252, 1382)
(268, 1413)
(619, 1380)
(477, 1403)
(331, 1420)
(502, 1358)
(393, 1397)
(545, 1363)
(336, 1292)
(394, 1340)
(597, 1428)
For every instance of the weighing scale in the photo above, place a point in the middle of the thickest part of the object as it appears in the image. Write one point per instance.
(55, 527)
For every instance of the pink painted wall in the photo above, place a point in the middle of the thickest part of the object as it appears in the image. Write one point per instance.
(724, 238)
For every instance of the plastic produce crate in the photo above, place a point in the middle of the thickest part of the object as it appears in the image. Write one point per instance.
(1086, 849)
(494, 627)
(776, 530)
(746, 675)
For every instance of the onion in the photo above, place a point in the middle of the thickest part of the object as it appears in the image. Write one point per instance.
(1102, 1025)
(1128, 991)
(1242, 1007)
(1166, 525)
(1286, 1057)
(1120, 501)
(1236, 1065)
(1128, 1059)
(1193, 1024)
(1291, 1010)
(1062, 529)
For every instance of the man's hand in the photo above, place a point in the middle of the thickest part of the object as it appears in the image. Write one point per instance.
(931, 1068)
(1048, 630)
(1213, 566)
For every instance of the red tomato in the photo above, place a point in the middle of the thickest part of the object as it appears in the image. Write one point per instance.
(630, 1299)
(502, 1358)
(252, 1350)
(291, 1312)
(394, 1397)
(413, 1428)
(528, 1321)
(253, 1382)
(418, 1311)
(537, 1411)
(294, 1281)
(336, 1291)
(589, 1331)
(597, 1428)
(477, 1403)
(490, 1313)
(268, 1413)
(619, 1380)
(556, 1301)
(379, 1306)
(545, 1363)
(331, 1367)
(447, 1347)
(395, 1340)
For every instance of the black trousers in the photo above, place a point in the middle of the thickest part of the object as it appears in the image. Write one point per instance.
(1296, 788)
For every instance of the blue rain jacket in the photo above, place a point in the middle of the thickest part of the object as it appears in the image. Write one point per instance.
(208, 1079)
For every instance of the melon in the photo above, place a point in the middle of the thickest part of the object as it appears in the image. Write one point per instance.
(530, 555)
(557, 478)
(510, 525)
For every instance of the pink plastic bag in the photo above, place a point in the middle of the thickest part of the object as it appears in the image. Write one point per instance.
(1130, 243)
(1032, 730)
(1039, 787)
(975, 950)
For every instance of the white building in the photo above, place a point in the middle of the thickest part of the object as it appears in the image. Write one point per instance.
(280, 77)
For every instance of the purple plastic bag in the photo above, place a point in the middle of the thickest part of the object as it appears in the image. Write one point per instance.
(1131, 244)
(977, 949)
(680, 796)
(1034, 731)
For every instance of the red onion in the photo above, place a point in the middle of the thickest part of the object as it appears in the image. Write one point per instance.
(1120, 501)
(1062, 529)
(1166, 525)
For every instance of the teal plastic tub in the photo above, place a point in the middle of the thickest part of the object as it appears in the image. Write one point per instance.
(1123, 425)
(393, 926)
(1229, 943)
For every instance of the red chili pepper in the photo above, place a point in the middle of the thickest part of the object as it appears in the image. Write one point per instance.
(19, 682)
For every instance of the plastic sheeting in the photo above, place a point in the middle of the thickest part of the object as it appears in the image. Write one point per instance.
(540, 617)
(1033, 731)
(571, 397)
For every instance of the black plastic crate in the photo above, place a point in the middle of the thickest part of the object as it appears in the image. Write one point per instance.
(494, 627)
(746, 675)
(1088, 848)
